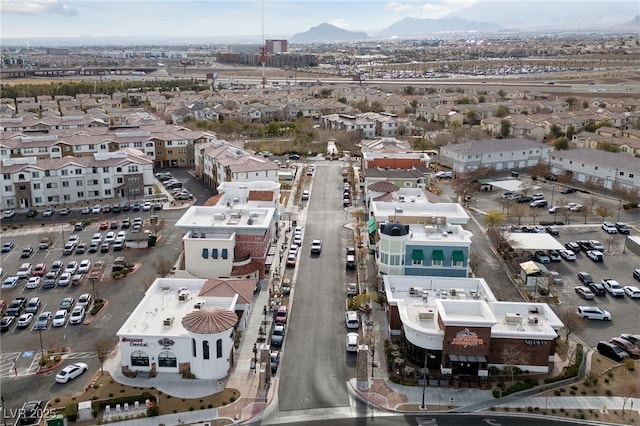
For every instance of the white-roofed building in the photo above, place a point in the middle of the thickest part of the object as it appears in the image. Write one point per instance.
(186, 325)
(462, 329)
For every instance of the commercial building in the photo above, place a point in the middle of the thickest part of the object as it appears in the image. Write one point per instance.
(459, 327)
(186, 326)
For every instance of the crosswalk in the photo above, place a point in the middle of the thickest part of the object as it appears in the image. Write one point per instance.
(26, 363)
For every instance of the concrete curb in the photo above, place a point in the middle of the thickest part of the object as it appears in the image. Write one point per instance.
(93, 317)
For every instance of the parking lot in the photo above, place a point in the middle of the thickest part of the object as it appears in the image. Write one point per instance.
(617, 263)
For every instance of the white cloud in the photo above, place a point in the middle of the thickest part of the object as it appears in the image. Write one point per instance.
(36, 7)
(429, 9)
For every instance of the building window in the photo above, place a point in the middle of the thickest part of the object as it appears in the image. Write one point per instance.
(35, 174)
(214, 253)
(167, 359)
(205, 349)
(417, 256)
(437, 257)
(193, 347)
(630, 175)
(394, 260)
(225, 253)
(205, 253)
(139, 359)
(384, 258)
(219, 348)
(36, 186)
(458, 258)
(621, 173)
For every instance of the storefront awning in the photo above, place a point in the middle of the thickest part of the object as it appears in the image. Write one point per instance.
(437, 255)
(467, 358)
(417, 255)
(371, 224)
(458, 256)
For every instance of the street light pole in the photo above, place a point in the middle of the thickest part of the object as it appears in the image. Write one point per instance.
(424, 378)
(619, 208)
(41, 348)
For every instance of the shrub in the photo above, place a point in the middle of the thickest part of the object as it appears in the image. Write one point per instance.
(629, 364)
(609, 392)
(153, 411)
(71, 411)
(557, 393)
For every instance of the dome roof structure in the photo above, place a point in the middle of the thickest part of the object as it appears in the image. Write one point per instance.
(209, 321)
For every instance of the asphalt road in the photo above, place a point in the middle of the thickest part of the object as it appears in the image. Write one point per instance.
(315, 366)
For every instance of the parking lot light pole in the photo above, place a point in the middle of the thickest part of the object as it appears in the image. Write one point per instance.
(41, 347)
(619, 208)
(424, 378)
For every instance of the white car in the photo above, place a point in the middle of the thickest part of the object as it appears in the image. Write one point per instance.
(84, 300)
(85, 266)
(567, 254)
(34, 282)
(597, 245)
(595, 255)
(593, 312)
(632, 291)
(110, 237)
(70, 372)
(77, 315)
(72, 267)
(24, 320)
(8, 214)
(96, 209)
(351, 342)
(613, 287)
(609, 227)
(48, 212)
(65, 279)
(60, 318)
(146, 206)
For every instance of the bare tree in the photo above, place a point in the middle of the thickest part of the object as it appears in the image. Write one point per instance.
(534, 212)
(603, 212)
(572, 322)
(474, 261)
(102, 348)
(525, 187)
(612, 244)
(588, 206)
(518, 211)
(511, 357)
(163, 266)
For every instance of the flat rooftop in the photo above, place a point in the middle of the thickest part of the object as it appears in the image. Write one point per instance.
(466, 301)
(200, 218)
(166, 302)
(396, 210)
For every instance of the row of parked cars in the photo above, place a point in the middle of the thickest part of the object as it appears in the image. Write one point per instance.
(24, 313)
(621, 347)
(590, 289)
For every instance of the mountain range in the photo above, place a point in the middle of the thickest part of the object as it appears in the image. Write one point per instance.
(497, 17)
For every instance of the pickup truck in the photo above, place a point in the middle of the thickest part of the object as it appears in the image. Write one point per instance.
(17, 306)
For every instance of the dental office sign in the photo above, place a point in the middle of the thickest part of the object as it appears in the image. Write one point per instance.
(467, 338)
(134, 341)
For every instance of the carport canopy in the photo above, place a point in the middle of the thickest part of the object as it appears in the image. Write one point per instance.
(513, 185)
(527, 241)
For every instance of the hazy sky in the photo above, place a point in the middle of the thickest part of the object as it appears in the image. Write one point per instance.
(212, 18)
(72, 18)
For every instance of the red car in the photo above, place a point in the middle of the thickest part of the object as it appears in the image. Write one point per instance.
(39, 270)
(104, 225)
(281, 315)
(627, 346)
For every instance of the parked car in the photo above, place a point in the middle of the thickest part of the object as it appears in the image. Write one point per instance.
(585, 277)
(65, 211)
(636, 274)
(595, 255)
(39, 270)
(70, 372)
(593, 313)
(567, 254)
(43, 320)
(351, 342)
(277, 337)
(552, 230)
(597, 289)
(613, 287)
(84, 300)
(612, 351)
(11, 281)
(33, 305)
(282, 315)
(60, 318)
(633, 338)
(26, 252)
(622, 228)
(291, 260)
(609, 227)
(30, 413)
(305, 194)
(632, 291)
(72, 267)
(568, 190)
(77, 315)
(24, 320)
(7, 247)
(65, 279)
(573, 246)
(81, 248)
(541, 257)
(6, 322)
(33, 283)
(538, 196)
(67, 303)
(597, 245)
(554, 255)
(275, 361)
(48, 212)
(524, 199)
(584, 292)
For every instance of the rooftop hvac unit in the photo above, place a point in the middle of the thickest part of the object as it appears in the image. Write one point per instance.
(236, 200)
(415, 291)
(426, 314)
(168, 322)
(513, 318)
(219, 216)
(236, 215)
(183, 295)
(533, 319)
(198, 305)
